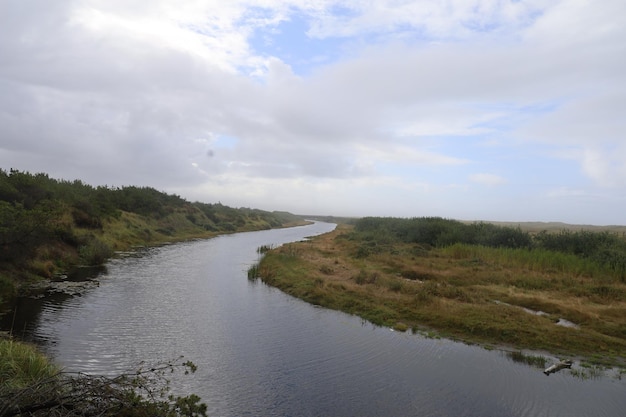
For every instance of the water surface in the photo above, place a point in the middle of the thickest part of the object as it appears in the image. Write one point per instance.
(263, 353)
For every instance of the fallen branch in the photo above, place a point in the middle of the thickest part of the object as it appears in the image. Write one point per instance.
(142, 392)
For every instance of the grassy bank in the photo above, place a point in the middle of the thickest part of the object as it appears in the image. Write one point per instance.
(21, 365)
(49, 225)
(470, 292)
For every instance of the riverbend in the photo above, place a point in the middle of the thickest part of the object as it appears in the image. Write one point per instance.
(261, 352)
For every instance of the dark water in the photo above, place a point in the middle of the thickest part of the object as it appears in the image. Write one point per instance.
(263, 353)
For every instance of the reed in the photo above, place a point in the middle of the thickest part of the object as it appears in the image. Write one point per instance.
(532, 259)
(535, 361)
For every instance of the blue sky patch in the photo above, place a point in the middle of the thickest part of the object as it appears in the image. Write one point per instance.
(290, 43)
(225, 142)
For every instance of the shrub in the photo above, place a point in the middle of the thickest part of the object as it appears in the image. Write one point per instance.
(7, 289)
(94, 252)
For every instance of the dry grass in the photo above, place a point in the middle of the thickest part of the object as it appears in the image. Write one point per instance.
(473, 294)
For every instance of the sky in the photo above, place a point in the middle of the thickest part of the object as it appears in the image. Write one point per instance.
(465, 109)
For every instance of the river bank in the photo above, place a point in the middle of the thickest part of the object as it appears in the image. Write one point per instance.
(58, 268)
(262, 352)
(23, 366)
(464, 293)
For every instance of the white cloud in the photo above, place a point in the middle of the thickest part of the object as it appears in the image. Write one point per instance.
(605, 166)
(488, 179)
(134, 92)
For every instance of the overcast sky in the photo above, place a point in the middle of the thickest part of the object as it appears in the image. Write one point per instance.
(508, 110)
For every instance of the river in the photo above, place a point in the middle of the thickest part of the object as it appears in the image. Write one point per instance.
(260, 352)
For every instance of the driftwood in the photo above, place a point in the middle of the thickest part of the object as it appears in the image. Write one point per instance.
(558, 366)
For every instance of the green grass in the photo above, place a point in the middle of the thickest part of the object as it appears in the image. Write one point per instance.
(528, 359)
(530, 259)
(22, 365)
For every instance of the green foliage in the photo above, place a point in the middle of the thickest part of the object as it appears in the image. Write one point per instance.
(436, 231)
(604, 248)
(94, 252)
(535, 259)
(81, 223)
(7, 288)
(21, 365)
(23, 229)
(581, 252)
(254, 272)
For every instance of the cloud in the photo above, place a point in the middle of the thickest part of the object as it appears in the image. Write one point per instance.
(488, 179)
(605, 165)
(118, 92)
(435, 19)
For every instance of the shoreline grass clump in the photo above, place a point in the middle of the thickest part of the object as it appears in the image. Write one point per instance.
(253, 272)
(493, 287)
(22, 365)
(535, 361)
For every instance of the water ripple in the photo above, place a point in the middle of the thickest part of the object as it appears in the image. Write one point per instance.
(261, 352)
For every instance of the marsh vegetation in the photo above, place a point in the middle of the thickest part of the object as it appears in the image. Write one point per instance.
(477, 282)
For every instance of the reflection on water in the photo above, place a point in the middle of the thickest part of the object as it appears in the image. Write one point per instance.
(263, 353)
(85, 272)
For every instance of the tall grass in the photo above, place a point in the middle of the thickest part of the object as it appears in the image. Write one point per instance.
(535, 259)
(22, 365)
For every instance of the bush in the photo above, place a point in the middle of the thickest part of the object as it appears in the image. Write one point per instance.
(439, 232)
(94, 252)
(7, 289)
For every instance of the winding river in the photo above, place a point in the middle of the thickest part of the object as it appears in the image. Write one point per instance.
(260, 352)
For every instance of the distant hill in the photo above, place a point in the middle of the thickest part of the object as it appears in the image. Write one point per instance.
(329, 218)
